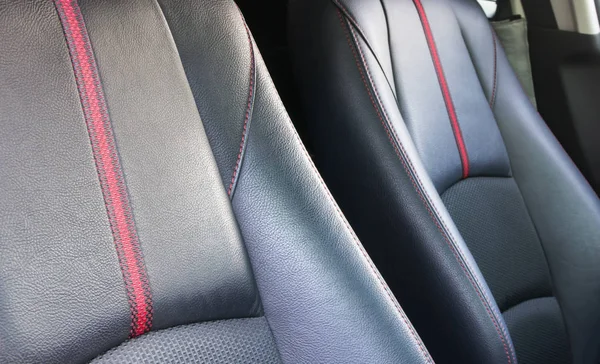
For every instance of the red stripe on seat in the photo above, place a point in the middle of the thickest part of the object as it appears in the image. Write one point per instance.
(462, 149)
(108, 166)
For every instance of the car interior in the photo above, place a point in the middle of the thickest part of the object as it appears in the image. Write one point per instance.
(300, 181)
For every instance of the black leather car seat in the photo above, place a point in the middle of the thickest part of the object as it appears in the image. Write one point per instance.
(157, 205)
(485, 230)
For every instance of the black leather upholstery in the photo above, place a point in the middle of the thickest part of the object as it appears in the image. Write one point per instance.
(192, 108)
(398, 94)
(182, 220)
(247, 340)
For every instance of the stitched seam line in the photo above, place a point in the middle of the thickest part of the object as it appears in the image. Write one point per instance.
(108, 167)
(402, 155)
(247, 115)
(439, 70)
(429, 205)
(361, 248)
(493, 96)
(348, 15)
(366, 256)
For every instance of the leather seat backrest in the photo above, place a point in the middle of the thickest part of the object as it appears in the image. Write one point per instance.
(456, 183)
(152, 181)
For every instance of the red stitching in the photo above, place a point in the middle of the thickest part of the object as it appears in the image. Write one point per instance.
(392, 136)
(380, 279)
(362, 249)
(493, 97)
(348, 15)
(108, 167)
(439, 70)
(247, 115)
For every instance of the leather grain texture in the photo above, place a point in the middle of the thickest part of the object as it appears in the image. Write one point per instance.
(391, 200)
(493, 219)
(221, 95)
(299, 258)
(195, 258)
(539, 331)
(378, 112)
(242, 341)
(561, 204)
(108, 166)
(281, 250)
(309, 267)
(62, 297)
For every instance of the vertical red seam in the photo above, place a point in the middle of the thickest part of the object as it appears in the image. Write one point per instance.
(462, 149)
(493, 96)
(247, 115)
(108, 167)
(405, 163)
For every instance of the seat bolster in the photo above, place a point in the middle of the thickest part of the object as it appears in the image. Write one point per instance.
(323, 297)
(375, 35)
(363, 145)
(563, 207)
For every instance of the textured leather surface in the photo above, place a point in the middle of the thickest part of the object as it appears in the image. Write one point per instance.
(62, 295)
(390, 200)
(422, 106)
(308, 264)
(61, 289)
(216, 342)
(194, 255)
(562, 206)
(538, 329)
(299, 259)
(492, 218)
(418, 94)
(564, 209)
(222, 93)
(379, 115)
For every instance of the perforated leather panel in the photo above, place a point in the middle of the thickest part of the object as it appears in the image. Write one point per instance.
(227, 341)
(538, 332)
(492, 218)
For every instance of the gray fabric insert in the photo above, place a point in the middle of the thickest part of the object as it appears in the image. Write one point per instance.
(538, 332)
(228, 341)
(492, 218)
(512, 34)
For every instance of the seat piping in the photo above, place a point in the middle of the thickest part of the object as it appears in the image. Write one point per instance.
(108, 167)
